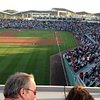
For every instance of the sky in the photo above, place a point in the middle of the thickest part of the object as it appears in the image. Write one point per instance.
(90, 6)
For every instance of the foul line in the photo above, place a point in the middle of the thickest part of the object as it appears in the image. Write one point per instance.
(60, 56)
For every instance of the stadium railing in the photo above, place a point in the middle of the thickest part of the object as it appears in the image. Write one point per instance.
(46, 92)
(72, 78)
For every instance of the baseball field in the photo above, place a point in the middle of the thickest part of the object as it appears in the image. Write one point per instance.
(30, 50)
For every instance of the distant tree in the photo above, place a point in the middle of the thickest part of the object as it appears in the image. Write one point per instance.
(10, 11)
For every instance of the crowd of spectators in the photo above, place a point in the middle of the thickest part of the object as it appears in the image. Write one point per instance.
(92, 77)
(83, 56)
(88, 34)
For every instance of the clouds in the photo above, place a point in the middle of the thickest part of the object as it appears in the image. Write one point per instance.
(91, 6)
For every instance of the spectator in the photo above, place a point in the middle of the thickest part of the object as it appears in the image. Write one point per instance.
(79, 93)
(20, 86)
(81, 75)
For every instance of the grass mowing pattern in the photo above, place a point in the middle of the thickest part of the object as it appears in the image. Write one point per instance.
(32, 59)
(35, 33)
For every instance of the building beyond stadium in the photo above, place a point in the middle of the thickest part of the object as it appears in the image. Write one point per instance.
(54, 13)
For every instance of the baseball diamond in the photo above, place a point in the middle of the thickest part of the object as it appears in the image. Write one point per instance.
(30, 51)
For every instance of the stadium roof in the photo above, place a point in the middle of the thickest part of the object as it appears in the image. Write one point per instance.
(5, 13)
(34, 11)
(83, 13)
(62, 9)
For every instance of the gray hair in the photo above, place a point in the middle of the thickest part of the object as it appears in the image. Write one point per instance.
(15, 82)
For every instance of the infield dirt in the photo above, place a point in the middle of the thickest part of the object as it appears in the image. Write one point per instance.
(8, 38)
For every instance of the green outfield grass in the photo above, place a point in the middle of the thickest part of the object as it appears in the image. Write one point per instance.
(32, 59)
(36, 33)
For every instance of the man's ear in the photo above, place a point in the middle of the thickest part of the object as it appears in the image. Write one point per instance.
(22, 92)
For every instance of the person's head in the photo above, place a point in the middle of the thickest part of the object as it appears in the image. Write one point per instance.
(20, 86)
(79, 93)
